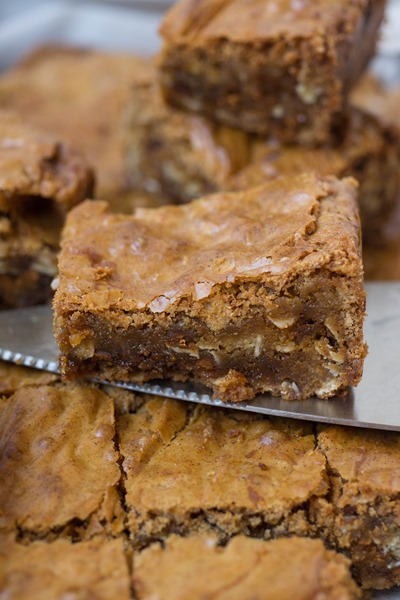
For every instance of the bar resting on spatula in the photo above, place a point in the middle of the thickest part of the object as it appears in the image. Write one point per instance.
(248, 292)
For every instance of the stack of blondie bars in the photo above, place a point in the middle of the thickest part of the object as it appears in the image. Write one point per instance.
(243, 166)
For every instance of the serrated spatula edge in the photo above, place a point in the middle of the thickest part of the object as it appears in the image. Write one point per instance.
(26, 338)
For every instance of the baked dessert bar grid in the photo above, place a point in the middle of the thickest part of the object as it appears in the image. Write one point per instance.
(108, 470)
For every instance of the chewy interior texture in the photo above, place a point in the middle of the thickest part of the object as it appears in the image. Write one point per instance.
(295, 344)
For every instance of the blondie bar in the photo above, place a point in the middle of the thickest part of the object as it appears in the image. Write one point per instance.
(78, 95)
(184, 156)
(59, 468)
(40, 180)
(246, 569)
(279, 68)
(362, 515)
(44, 571)
(247, 292)
(206, 470)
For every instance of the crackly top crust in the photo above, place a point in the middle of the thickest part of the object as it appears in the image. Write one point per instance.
(197, 568)
(77, 95)
(34, 164)
(193, 20)
(178, 467)
(57, 456)
(367, 462)
(43, 571)
(151, 260)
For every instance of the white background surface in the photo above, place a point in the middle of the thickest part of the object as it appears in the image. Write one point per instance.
(100, 26)
(11, 7)
(130, 25)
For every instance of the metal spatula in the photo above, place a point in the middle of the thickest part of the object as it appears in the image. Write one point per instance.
(26, 338)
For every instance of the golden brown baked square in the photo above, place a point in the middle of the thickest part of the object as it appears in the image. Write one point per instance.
(247, 292)
(362, 515)
(207, 470)
(40, 181)
(245, 569)
(59, 467)
(269, 67)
